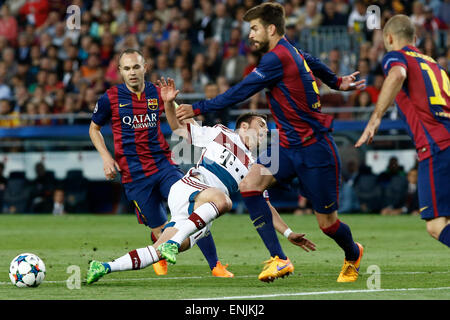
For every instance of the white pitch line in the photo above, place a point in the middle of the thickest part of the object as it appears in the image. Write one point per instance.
(107, 279)
(132, 279)
(315, 293)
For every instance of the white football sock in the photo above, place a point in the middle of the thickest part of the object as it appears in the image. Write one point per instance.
(134, 260)
(201, 216)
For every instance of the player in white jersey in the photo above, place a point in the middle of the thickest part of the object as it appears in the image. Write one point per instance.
(203, 194)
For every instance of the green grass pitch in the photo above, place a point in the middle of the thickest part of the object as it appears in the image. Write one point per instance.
(412, 265)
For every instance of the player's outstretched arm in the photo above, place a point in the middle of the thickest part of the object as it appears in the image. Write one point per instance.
(297, 239)
(268, 72)
(168, 94)
(324, 73)
(391, 87)
(109, 164)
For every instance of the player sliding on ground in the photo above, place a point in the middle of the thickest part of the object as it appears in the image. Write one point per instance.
(421, 88)
(203, 194)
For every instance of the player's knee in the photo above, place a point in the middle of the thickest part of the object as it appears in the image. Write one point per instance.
(433, 230)
(223, 203)
(435, 227)
(326, 221)
(229, 204)
(249, 185)
(156, 232)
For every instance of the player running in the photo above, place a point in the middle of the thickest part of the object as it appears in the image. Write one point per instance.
(203, 194)
(142, 154)
(422, 91)
(306, 150)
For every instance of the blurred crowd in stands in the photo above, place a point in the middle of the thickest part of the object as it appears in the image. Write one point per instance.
(46, 193)
(42, 195)
(48, 68)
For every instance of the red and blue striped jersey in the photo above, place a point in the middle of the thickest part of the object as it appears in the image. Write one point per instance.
(423, 101)
(139, 145)
(292, 93)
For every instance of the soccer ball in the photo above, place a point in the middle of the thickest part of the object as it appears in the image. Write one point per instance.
(27, 270)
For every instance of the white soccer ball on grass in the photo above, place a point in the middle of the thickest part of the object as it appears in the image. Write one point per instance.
(27, 270)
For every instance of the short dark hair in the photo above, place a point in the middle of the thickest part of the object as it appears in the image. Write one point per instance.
(269, 13)
(130, 51)
(248, 117)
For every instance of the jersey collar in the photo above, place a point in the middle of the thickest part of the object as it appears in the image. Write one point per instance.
(410, 48)
(139, 96)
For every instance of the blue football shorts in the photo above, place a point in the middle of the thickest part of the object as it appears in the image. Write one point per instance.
(434, 185)
(148, 195)
(317, 167)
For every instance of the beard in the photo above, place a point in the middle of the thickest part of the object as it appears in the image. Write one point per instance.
(262, 48)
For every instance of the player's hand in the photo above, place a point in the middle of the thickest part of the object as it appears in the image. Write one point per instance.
(109, 167)
(184, 112)
(369, 132)
(168, 90)
(299, 239)
(349, 83)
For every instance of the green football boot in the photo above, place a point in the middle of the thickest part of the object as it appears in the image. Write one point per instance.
(95, 272)
(169, 251)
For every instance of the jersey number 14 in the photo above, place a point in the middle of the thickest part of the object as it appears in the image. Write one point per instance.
(437, 99)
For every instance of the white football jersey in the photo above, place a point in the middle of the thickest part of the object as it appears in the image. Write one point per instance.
(225, 159)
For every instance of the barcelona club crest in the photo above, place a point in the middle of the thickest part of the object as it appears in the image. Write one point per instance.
(152, 104)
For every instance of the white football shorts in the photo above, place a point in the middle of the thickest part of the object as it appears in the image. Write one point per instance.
(181, 203)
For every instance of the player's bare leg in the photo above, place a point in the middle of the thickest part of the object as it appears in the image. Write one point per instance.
(326, 220)
(340, 232)
(220, 199)
(444, 234)
(436, 226)
(157, 231)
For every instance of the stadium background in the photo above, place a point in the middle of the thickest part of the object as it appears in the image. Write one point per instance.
(51, 77)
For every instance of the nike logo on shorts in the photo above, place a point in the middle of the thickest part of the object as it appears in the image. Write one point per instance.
(328, 206)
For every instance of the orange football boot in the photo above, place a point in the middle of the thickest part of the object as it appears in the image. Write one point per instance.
(221, 271)
(350, 269)
(160, 267)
